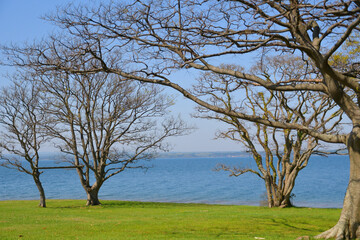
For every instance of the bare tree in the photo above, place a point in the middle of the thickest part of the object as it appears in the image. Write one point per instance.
(22, 134)
(105, 124)
(279, 154)
(146, 40)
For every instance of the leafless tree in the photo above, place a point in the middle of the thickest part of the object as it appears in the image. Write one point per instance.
(105, 124)
(279, 154)
(22, 134)
(146, 40)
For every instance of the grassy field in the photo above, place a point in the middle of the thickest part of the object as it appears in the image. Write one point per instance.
(71, 219)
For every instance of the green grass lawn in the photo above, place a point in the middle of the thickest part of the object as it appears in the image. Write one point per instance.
(71, 219)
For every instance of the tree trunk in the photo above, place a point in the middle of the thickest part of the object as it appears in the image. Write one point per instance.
(92, 196)
(280, 197)
(282, 200)
(36, 177)
(349, 222)
(269, 191)
(288, 185)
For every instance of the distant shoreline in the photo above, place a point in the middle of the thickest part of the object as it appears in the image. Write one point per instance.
(174, 155)
(203, 154)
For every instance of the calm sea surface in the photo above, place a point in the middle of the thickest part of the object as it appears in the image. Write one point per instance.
(322, 184)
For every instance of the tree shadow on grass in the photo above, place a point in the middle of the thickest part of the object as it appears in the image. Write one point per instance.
(78, 204)
(287, 224)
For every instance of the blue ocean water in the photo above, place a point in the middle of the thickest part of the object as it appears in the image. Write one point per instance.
(321, 184)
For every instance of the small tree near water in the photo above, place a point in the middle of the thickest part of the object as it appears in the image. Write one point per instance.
(105, 124)
(22, 135)
(279, 154)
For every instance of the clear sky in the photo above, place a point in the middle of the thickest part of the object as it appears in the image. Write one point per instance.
(20, 22)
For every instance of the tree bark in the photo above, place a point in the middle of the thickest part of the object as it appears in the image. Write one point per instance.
(269, 191)
(348, 226)
(36, 177)
(287, 187)
(92, 196)
(283, 201)
(279, 196)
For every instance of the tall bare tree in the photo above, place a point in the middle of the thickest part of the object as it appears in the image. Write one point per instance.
(279, 154)
(146, 39)
(22, 135)
(105, 124)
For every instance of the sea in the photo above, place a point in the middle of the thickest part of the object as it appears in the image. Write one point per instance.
(322, 184)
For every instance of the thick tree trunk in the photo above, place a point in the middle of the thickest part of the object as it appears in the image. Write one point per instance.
(92, 196)
(280, 197)
(288, 184)
(283, 201)
(348, 226)
(36, 177)
(92, 192)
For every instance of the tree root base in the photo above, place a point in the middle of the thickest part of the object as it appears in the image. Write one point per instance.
(340, 231)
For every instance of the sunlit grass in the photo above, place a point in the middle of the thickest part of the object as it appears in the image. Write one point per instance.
(71, 219)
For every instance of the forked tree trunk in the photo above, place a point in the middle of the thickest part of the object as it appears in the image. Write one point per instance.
(349, 222)
(92, 192)
(288, 185)
(41, 190)
(280, 197)
(276, 198)
(282, 201)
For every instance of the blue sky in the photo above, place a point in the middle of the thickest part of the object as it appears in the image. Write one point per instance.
(20, 22)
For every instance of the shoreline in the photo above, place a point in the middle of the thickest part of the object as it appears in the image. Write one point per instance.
(167, 202)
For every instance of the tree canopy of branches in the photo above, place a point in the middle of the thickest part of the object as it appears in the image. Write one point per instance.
(105, 124)
(279, 154)
(145, 40)
(22, 133)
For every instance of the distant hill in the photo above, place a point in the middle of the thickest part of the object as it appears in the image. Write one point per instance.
(234, 154)
(59, 156)
(202, 154)
(225, 154)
